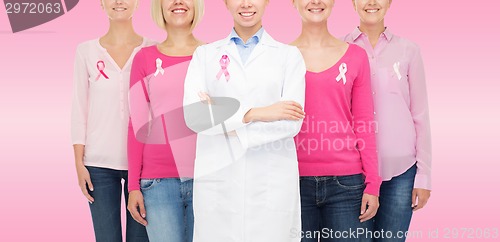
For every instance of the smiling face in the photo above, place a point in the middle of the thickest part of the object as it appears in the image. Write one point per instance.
(119, 10)
(178, 13)
(247, 13)
(371, 12)
(314, 11)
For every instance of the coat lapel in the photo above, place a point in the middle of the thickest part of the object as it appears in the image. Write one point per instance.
(227, 47)
(234, 56)
(266, 42)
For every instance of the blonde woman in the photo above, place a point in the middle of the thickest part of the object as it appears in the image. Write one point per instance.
(100, 117)
(160, 178)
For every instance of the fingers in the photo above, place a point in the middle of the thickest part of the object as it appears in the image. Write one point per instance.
(364, 204)
(205, 97)
(369, 214)
(414, 199)
(232, 133)
(291, 115)
(369, 207)
(297, 110)
(295, 104)
(420, 197)
(89, 184)
(85, 190)
(293, 111)
(142, 210)
(138, 211)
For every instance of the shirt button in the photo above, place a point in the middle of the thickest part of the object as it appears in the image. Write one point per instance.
(374, 113)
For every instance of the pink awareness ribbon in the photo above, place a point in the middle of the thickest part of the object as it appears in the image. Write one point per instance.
(396, 69)
(343, 71)
(224, 63)
(100, 68)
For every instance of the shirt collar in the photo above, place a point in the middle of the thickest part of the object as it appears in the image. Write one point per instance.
(254, 39)
(388, 35)
(356, 33)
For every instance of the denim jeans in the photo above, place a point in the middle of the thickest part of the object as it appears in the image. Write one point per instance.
(395, 211)
(331, 208)
(169, 209)
(106, 209)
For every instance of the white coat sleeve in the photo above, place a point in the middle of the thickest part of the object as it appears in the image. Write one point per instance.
(293, 89)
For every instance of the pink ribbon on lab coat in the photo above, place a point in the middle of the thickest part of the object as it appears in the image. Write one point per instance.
(224, 63)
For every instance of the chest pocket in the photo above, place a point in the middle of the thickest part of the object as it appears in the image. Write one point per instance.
(397, 77)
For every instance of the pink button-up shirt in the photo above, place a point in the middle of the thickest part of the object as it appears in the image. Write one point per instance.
(401, 108)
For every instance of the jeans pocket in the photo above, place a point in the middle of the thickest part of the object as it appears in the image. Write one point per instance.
(147, 184)
(351, 182)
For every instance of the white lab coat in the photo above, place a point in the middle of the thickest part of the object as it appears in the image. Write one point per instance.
(253, 197)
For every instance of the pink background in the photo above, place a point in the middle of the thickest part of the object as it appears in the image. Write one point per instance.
(41, 201)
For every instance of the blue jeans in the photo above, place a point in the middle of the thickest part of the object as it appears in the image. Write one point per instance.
(331, 208)
(395, 211)
(169, 209)
(106, 209)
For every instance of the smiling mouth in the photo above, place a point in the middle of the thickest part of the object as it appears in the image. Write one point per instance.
(120, 9)
(316, 10)
(179, 10)
(372, 10)
(248, 14)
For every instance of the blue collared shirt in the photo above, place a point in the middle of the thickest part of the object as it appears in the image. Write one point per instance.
(245, 49)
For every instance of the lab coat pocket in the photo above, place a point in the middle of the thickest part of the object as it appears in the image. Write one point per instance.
(283, 185)
(206, 193)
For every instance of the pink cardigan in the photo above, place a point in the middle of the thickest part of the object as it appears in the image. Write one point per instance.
(160, 146)
(338, 134)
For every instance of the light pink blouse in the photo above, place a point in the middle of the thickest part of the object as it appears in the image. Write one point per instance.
(401, 108)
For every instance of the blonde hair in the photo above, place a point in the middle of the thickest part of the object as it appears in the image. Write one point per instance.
(159, 19)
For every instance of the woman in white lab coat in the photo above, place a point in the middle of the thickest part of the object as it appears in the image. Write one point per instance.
(246, 185)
